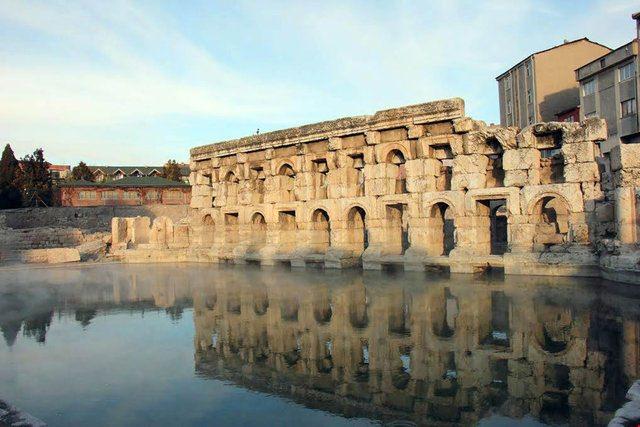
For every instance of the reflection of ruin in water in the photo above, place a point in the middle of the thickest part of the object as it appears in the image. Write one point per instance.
(428, 350)
(449, 352)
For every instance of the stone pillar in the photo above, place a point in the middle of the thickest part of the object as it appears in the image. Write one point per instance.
(626, 215)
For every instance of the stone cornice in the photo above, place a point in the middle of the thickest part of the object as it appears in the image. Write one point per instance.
(429, 112)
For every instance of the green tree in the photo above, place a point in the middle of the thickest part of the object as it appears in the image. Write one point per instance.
(10, 196)
(171, 170)
(82, 173)
(36, 180)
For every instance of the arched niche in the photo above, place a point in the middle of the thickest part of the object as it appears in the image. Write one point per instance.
(258, 230)
(320, 231)
(442, 227)
(551, 216)
(357, 234)
(208, 230)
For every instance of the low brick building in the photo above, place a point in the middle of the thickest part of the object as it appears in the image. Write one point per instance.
(129, 191)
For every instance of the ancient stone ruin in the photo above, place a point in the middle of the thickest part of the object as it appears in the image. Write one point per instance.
(416, 187)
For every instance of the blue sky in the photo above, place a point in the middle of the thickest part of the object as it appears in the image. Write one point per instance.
(124, 82)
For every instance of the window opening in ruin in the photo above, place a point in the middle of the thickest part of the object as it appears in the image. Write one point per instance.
(321, 166)
(258, 176)
(358, 164)
(321, 231)
(396, 157)
(398, 227)
(499, 228)
(358, 160)
(551, 166)
(232, 224)
(358, 235)
(497, 172)
(491, 234)
(445, 155)
(443, 235)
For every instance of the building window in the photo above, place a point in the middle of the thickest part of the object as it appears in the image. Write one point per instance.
(109, 195)
(529, 97)
(86, 195)
(603, 62)
(628, 107)
(531, 120)
(173, 195)
(569, 119)
(152, 195)
(130, 195)
(527, 68)
(507, 82)
(626, 71)
(509, 109)
(589, 88)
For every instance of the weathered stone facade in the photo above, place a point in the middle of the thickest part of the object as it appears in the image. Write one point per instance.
(416, 186)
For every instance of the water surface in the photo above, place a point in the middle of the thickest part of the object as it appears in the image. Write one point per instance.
(201, 344)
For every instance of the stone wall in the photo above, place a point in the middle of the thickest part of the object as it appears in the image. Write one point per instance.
(85, 218)
(418, 187)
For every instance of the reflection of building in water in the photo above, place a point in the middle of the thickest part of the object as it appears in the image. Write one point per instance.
(437, 351)
(445, 353)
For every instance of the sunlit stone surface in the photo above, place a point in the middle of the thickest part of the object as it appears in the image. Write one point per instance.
(87, 344)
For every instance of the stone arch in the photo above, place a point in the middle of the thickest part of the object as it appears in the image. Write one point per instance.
(320, 238)
(441, 229)
(286, 169)
(357, 233)
(258, 229)
(551, 215)
(533, 205)
(458, 208)
(231, 177)
(208, 230)
(391, 150)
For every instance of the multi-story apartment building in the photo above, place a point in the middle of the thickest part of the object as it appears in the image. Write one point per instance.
(609, 89)
(543, 85)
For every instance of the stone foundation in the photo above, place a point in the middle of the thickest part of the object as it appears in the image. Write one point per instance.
(416, 187)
